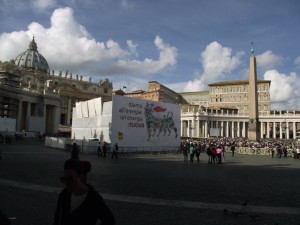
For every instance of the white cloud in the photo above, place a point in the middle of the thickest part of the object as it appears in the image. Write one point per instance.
(268, 60)
(217, 61)
(132, 47)
(297, 61)
(43, 4)
(284, 89)
(67, 45)
(167, 57)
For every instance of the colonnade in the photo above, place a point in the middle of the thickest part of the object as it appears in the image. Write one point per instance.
(213, 128)
(282, 129)
(206, 127)
(31, 117)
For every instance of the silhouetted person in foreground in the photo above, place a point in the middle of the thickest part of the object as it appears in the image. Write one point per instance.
(79, 203)
(4, 219)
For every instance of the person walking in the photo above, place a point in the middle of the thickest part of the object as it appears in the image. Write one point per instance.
(219, 154)
(115, 151)
(213, 154)
(298, 153)
(104, 150)
(272, 152)
(192, 152)
(198, 151)
(75, 151)
(232, 148)
(208, 152)
(185, 152)
(99, 149)
(79, 203)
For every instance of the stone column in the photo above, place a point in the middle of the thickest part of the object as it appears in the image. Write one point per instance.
(28, 109)
(45, 119)
(232, 129)
(294, 130)
(222, 128)
(198, 128)
(280, 130)
(19, 116)
(262, 130)
(56, 119)
(227, 128)
(287, 131)
(69, 111)
(193, 127)
(238, 129)
(189, 128)
(274, 130)
(268, 130)
(181, 128)
(205, 128)
(243, 129)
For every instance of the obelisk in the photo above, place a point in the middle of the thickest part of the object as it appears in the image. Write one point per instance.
(253, 124)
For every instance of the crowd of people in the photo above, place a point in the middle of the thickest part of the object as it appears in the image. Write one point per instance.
(215, 148)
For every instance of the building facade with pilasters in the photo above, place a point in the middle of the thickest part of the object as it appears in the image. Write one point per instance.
(196, 123)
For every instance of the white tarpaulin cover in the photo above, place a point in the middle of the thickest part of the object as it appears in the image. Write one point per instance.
(96, 126)
(98, 106)
(84, 109)
(131, 122)
(91, 106)
(78, 110)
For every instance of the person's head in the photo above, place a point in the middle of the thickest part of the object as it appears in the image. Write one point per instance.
(75, 173)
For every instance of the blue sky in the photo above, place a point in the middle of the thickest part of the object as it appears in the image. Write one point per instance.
(184, 45)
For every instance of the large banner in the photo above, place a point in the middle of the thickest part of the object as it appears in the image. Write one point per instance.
(138, 122)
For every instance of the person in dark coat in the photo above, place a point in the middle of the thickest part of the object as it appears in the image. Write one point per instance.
(104, 150)
(75, 151)
(79, 203)
(115, 151)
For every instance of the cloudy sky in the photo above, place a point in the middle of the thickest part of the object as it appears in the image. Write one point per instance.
(184, 45)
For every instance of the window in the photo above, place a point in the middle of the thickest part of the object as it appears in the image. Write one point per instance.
(105, 90)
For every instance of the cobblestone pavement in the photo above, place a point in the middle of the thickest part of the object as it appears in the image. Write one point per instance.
(155, 189)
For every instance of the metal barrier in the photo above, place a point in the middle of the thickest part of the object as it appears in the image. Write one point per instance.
(259, 151)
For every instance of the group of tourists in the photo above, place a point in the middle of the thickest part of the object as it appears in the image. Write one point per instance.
(102, 152)
(215, 152)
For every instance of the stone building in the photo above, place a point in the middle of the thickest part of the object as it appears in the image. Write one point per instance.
(199, 98)
(235, 94)
(157, 92)
(238, 109)
(32, 109)
(31, 71)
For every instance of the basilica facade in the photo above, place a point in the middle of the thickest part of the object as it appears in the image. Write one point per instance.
(40, 100)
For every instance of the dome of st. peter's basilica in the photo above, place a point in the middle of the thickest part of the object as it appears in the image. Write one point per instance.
(32, 59)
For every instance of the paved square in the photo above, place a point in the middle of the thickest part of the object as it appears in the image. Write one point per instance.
(155, 189)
